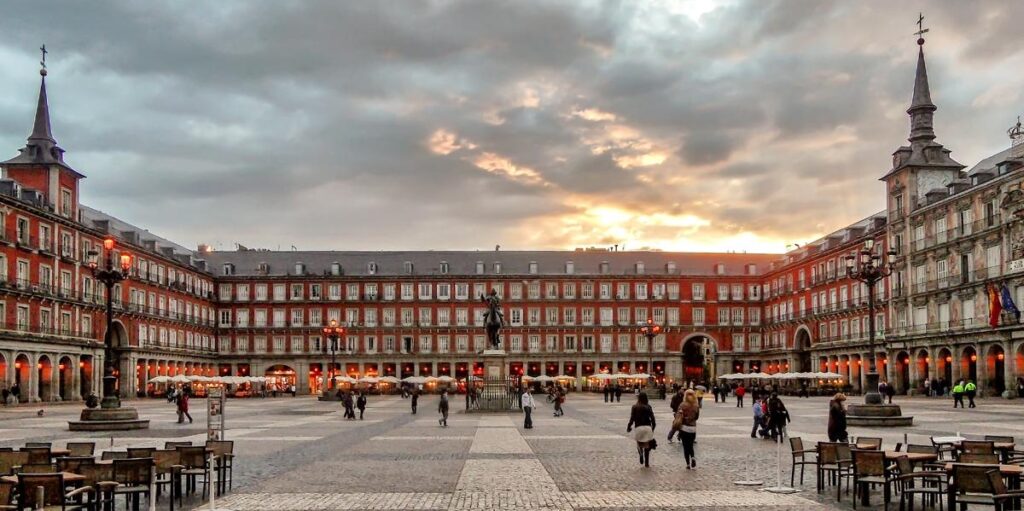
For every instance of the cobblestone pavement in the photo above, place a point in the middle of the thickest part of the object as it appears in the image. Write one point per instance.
(299, 454)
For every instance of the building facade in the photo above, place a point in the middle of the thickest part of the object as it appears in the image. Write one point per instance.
(253, 312)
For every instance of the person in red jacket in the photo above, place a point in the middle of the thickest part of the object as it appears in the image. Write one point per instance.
(740, 391)
(183, 406)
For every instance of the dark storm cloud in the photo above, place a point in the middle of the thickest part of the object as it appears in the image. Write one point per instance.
(310, 123)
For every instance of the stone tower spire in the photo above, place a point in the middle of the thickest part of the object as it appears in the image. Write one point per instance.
(921, 108)
(41, 148)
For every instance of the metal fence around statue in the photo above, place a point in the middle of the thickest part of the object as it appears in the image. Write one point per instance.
(495, 395)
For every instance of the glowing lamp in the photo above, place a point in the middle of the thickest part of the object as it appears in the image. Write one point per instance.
(1000, 356)
(927, 359)
(61, 366)
(81, 364)
(126, 261)
(949, 358)
(39, 365)
(108, 243)
(17, 365)
(974, 358)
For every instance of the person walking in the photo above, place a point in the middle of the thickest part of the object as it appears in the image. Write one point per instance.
(890, 391)
(606, 392)
(442, 408)
(16, 392)
(528, 405)
(758, 415)
(970, 390)
(559, 398)
(183, 406)
(740, 391)
(346, 401)
(927, 387)
(690, 412)
(778, 416)
(642, 417)
(618, 393)
(700, 397)
(958, 394)
(415, 400)
(837, 419)
(361, 404)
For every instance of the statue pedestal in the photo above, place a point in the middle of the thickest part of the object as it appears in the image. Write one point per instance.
(498, 391)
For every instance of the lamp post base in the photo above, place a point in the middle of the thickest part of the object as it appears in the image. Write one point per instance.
(871, 395)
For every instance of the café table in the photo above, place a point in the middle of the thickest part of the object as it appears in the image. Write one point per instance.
(1012, 474)
(69, 477)
(914, 457)
(1002, 448)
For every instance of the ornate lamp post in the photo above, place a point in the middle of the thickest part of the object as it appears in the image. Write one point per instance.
(109, 275)
(869, 269)
(650, 331)
(333, 332)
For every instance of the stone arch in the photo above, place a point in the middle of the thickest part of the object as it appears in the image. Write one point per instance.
(923, 362)
(281, 376)
(23, 370)
(901, 372)
(85, 375)
(944, 366)
(65, 378)
(44, 375)
(995, 368)
(802, 346)
(969, 363)
(119, 335)
(695, 363)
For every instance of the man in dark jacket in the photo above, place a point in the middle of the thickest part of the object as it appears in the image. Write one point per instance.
(361, 404)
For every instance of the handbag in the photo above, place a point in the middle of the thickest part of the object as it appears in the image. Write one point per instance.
(653, 444)
(677, 423)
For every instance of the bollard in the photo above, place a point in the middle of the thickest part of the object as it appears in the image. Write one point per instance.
(40, 497)
(152, 489)
(778, 488)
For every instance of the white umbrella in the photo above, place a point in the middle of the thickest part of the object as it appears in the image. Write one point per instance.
(601, 376)
(345, 379)
(389, 379)
(830, 376)
(445, 379)
(198, 378)
(643, 376)
(622, 376)
(180, 378)
(564, 377)
(160, 379)
(368, 379)
(414, 379)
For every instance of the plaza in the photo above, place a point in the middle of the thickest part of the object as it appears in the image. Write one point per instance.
(299, 454)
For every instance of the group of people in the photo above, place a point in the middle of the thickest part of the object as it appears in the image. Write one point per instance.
(180, 399)
(685, 412)
(964, 388)
(11, 396)
(770, 418)
(350, 405)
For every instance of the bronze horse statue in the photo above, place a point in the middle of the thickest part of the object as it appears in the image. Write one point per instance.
(493, 319)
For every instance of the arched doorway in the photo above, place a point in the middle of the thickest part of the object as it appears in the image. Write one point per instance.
(1019, 365)
(902, 373)
(945, 367)
(803, 348)
(65, 379)
(969, 364)
(3, 372)
(280, 377)
(119, 339)
(44, 371)
(22, 376)
(995, 365)
(696, 366)
(85, 376)
(923, 367)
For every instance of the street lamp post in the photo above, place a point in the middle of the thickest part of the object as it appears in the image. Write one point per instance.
(109, 274)
(870, 269)
(333, 332)
(650, 331)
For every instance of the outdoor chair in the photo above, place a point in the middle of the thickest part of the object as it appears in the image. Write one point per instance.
(971, 485)
(829, 464)
(141, 452)
(175, 445)
(82, 448)
(168, 473)
(1000, 495)
(48, 445)
(946, 451)
(979, 459)
(100, 477)
(195, 468)
(799, 453)
(114, 455)
(929, 484)
(7, 496)
(845, 456)
(37, 468)
(869, 469)
(11, 460)
(869, 443)
(977, 447)
(53, 495)
(6, 449)
(224, 456)
(134, 477)
(71, 463)
(1000, 438)
(37, 454)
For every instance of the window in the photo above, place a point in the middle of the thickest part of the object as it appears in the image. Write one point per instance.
(389, 317)
(623, 315)
(587, 292)
(407, 318)
(242, 318)
(570, 315)
(569, 343)
(443, 344)
(551, 343)
(225, 318)
(624, 343)
(515, 291)
(698, 316)
(552, 315)
(992, 260)
(352, 292)
(297, 291)
(606, 343)
(425, 316)
(991, 214)
(672, 316)
(462, 343)
(723, 316)
(297, 316)
(461, 317)
(534, 343)
(425, 291)
(443, 317)
(569, 290)
(640, 315)
(606, 316)
(641, 290)
(406, 291)
(389, 343)
(587, 316)
(425, 342)
(738, 342)
(516, 317)
(389, 292)
(242, 292)
(461, 291)
(279, 292)
(622, 291)
(723, 292)
(551, 290)
(698, 291)
(515, 342)
(606, 290)
(737, 315)
(279, 317)
(737, 290)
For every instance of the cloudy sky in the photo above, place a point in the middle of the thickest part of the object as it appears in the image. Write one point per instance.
(681, 125)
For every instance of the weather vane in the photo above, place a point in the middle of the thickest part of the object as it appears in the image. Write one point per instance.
(42, 63)
(921, 31)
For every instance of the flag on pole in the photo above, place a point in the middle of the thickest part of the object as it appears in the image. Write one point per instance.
(1008, 304)
(994, 307)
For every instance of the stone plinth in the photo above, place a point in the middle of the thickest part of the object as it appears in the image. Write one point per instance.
(496, 394)
(109, 419)
(885, 416)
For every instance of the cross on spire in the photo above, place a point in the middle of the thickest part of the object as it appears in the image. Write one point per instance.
(42, 63)
(921, 31)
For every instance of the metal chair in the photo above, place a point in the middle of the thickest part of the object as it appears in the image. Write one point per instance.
(869, 469)
(1000, 438)
(72, 463)
(168, 473)
(869, 443)
(1001, 495)
(946, 451)
(135, 478)
(114, 455)
(224, 456)
(982, 459)
(977, 447)
(196, 468)
(141, 452)
(53, 495)
(11, 460)
(175, 445)
(48, 445)
(799, 453)
(100, 477)
(971, 485)
(7, 496)
(82, 448)
(37, 454)
(932, 487)
(37, 468)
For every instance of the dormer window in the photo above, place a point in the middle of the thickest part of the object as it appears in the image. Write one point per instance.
(407, 267)
(229, 269)
(719, 269)
(335, 268)
(479, 267)
(570, 267)
(444, 268)
(751, 269)
(497, 267)
(670, 268)
(371, 268)
(300, 268)
(639, 267)
(533, 267)
(604, 268)
(263, 268)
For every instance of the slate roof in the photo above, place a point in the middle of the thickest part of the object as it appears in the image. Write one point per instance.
(585, 262)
